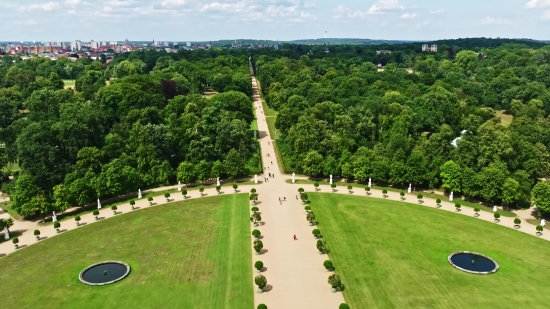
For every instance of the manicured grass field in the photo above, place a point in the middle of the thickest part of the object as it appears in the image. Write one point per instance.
(394, 255)
(361, 187)
(191, 254)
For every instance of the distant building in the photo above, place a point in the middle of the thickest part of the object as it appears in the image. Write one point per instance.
(326, 49)
(427, 48)
(379, 52)
(94, 45)
(76, 45)
(188, 44)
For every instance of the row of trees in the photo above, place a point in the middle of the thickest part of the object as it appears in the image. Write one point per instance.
(433, 128)
(144, 127)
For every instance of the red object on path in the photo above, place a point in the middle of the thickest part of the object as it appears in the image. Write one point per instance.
(295, 237)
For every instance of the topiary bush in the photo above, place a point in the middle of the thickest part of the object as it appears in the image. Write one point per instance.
(328, 264)
(438, 202)
(307, 208)
(385, 193)
(349, 189)
(261, 282)
(261, 306)
(420, 197)
(259, 265)
(316, 185)
(343, 306)
(316, 233)
(258, 246)
(254, 209)
(256, 233)
(235, 186)
(457, 206)
(184, 193)
(517, 221)
(37, 234)
(402, 195)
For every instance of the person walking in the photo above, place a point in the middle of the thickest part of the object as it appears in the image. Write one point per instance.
(295, 238)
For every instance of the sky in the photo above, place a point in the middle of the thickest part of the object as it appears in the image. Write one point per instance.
(203, 20)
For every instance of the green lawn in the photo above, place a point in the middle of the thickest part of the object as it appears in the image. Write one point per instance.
(69, 83)
(463, 203)
(394, 255)
(192, 254)
(271, 126)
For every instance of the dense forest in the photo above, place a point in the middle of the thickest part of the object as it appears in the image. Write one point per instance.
(435, 128)
(140, 121)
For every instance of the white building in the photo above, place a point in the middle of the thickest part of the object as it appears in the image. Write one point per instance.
(94, 45)
(432, 48)
(188, 44)
(76, 45)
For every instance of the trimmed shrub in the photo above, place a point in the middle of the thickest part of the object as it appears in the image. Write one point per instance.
(307, 208)
(259, 265)
(517, 221)
(328, 264)
(316, 233)
(343, 306)
(56, 225)
(254, 209)
(256, 233)
(260, 281)
(183, 192)
(113, 207)
(132, 202)
(258, 245)
(36, 232)
(95, 213)
(261, 306)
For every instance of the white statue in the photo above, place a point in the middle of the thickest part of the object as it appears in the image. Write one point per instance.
(54, 217)
(451, 197)
(139, 193)
(98, 204)
(218, 182)
(370, 183)
(542, 222)
(409, 190)
(6, 234)
(330, 178)
(495, 209)
(293, 177)
(179, 185)
(256, 178)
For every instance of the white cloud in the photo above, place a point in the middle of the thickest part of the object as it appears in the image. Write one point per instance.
(408, 16)
(228, 7)
(494, 21)
(107, 9)
(26, 22)
(73, 2)
(343, 12)
(71, 12)
(546, 15)
(437, 11)
(50, 6)
(383, 6)
(537, 4)
(173, 2)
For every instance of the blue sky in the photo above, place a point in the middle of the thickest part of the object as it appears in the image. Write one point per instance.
(194, 20)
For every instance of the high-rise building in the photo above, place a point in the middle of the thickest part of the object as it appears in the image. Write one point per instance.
(94, 45)
(188, 44)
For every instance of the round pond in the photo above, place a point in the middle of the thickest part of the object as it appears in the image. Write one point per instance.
(474, 263)
(104, 273)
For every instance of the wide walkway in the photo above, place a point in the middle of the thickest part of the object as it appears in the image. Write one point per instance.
(295, 269)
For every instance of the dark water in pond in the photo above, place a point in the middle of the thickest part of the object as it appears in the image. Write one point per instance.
(104, 273)
(473, 262)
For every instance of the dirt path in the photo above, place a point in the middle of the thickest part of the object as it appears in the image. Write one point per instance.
(295, 272)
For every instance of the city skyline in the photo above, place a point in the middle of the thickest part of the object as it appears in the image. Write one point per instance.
(199, 20)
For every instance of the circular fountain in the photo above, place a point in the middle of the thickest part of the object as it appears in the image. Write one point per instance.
(103, 273)
(473, 262)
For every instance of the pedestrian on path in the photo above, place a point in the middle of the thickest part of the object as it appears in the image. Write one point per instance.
(295, 238)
